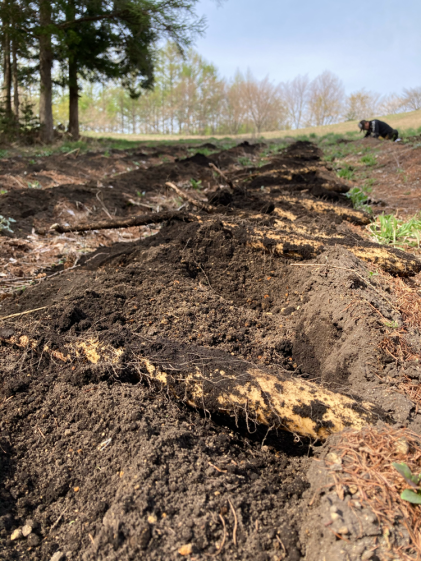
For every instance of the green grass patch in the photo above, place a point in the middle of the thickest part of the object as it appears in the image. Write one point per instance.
(346, 171)
(369, 160)
(388, 229)
(244, 161)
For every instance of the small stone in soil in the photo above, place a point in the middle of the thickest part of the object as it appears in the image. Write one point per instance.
(26, 530)
(17, 534)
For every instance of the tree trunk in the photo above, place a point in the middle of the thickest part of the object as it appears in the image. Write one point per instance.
(15, 84)
(45, 66)
(7, 77)
(73, 100)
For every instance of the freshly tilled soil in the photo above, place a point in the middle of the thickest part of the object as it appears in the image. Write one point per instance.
(104, 463)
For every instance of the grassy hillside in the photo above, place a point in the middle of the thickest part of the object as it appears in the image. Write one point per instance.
(400, 121)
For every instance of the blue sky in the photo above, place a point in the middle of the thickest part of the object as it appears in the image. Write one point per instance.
(372, 44)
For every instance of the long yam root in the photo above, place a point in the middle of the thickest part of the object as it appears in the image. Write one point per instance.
(220, 383)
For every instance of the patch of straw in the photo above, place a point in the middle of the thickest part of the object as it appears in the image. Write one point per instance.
(367, 457)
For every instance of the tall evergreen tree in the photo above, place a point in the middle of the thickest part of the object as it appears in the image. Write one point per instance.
(106, 38)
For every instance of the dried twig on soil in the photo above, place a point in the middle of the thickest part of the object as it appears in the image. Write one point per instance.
(23, 313)
(367, 458)
(222, 174)
(186, 197)
(15, 279)
(141, 220)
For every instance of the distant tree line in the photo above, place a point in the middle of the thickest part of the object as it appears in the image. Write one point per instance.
(190, 97)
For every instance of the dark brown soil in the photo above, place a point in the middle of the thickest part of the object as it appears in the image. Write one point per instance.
(106, 466)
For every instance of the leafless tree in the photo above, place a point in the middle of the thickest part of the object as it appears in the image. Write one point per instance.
(233, 108)
(412, 98)
(263, 103)
(325, 99)
(390, 105)
(294, 97)
(361, 105)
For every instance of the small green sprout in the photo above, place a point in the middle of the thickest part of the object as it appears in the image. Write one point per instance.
(34, 185)
(3, 191)
(196, 184)
(140, 193)
(410, 495)
(391, 324)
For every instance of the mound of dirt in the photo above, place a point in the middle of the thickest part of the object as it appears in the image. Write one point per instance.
(112, 445)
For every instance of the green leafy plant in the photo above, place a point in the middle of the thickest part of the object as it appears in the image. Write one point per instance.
(359, 198)
(388, 229)
(196, 184)
(34, 185)
(140, 193)
(411, 495)
(3, 191)
(5, 223)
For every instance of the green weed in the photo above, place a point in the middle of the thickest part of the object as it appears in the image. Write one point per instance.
(346, 172)
(3, 191)
(410, 495)
(196, 184)
(5, 223)
(34, 185)
(203, 151)
(244, 161)
(141, 193)
(369, 160)
(3, 153)
(368, 184)
(359, 199)
(388, 229)
(391, 324)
